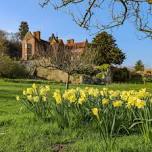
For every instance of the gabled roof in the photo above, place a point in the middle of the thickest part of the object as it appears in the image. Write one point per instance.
(28, 36)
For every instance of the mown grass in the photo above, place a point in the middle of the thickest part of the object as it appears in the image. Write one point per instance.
(20, 131)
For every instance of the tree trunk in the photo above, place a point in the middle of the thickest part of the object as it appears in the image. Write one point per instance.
(68, 81)
(109, 77)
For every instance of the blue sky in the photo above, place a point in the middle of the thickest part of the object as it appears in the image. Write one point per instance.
(49, 21)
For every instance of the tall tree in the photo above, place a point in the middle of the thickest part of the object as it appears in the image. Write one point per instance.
(23, 29)
(139, 66)
(105, 50)
(3, 43)
(10, 44)
(94, 12)
(62, 58)
(14, 45)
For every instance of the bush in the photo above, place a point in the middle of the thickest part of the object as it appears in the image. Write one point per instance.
(104, 73)
(148, 79)
(11, 69)
(87, 70)
(136, 77)
(18, 71)
(120, 74)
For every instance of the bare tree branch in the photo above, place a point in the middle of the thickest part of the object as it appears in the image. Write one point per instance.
(139, 11)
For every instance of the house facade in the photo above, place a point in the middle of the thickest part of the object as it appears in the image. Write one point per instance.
(32, 45)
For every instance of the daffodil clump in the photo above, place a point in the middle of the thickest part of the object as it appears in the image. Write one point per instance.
(105, 97)
(36, 99)
(111, 109)
(36, 93)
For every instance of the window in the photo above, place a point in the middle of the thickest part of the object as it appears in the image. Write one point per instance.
(29, 51)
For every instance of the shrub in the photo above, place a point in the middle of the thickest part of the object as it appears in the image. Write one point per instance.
(148, 78)
(87, 70)
(18, 71)
(104, 73)
(11, 69)
(136, 77)
(120, 74)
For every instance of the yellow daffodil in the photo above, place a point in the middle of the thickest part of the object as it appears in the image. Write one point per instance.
(47, 88)
(82, 97)
(95, 112)
(92, 92)
(17, 98)
(29, 97)
(101, 93)
(117, 103)
(44, 99)
(24, 92)
(29, 91)
(57, 96)
(34, 86)
(70, 95)
(36, 98)
(131, 101)
(43, 91)
(140, 103)
(105, 101)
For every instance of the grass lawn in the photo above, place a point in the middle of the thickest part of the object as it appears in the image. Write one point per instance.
(21, 132)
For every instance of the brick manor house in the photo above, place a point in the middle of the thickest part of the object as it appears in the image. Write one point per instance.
(32, 44)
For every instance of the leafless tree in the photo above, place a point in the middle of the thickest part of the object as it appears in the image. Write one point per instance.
(3, 43)
(117, 12)
(62, 58)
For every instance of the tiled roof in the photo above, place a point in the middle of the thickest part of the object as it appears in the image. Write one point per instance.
(77, 45)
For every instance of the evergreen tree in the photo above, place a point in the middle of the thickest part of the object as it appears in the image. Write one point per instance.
(139, 66)
(23, 29)
(105, 50)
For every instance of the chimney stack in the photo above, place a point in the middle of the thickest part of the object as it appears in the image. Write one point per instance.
(37, 35)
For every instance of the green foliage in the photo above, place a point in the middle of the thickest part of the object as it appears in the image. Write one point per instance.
(120, 74)
(11, 69)
(18, 71)
(104, 67)
(105, 50)
(148, 79)
(23, 29)
(36, 100)
(86, 69)
(143, 121)
(136, 77)
(104, 71)
(114, 111)
(139, 66)
(23, 132)
(100, 75)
